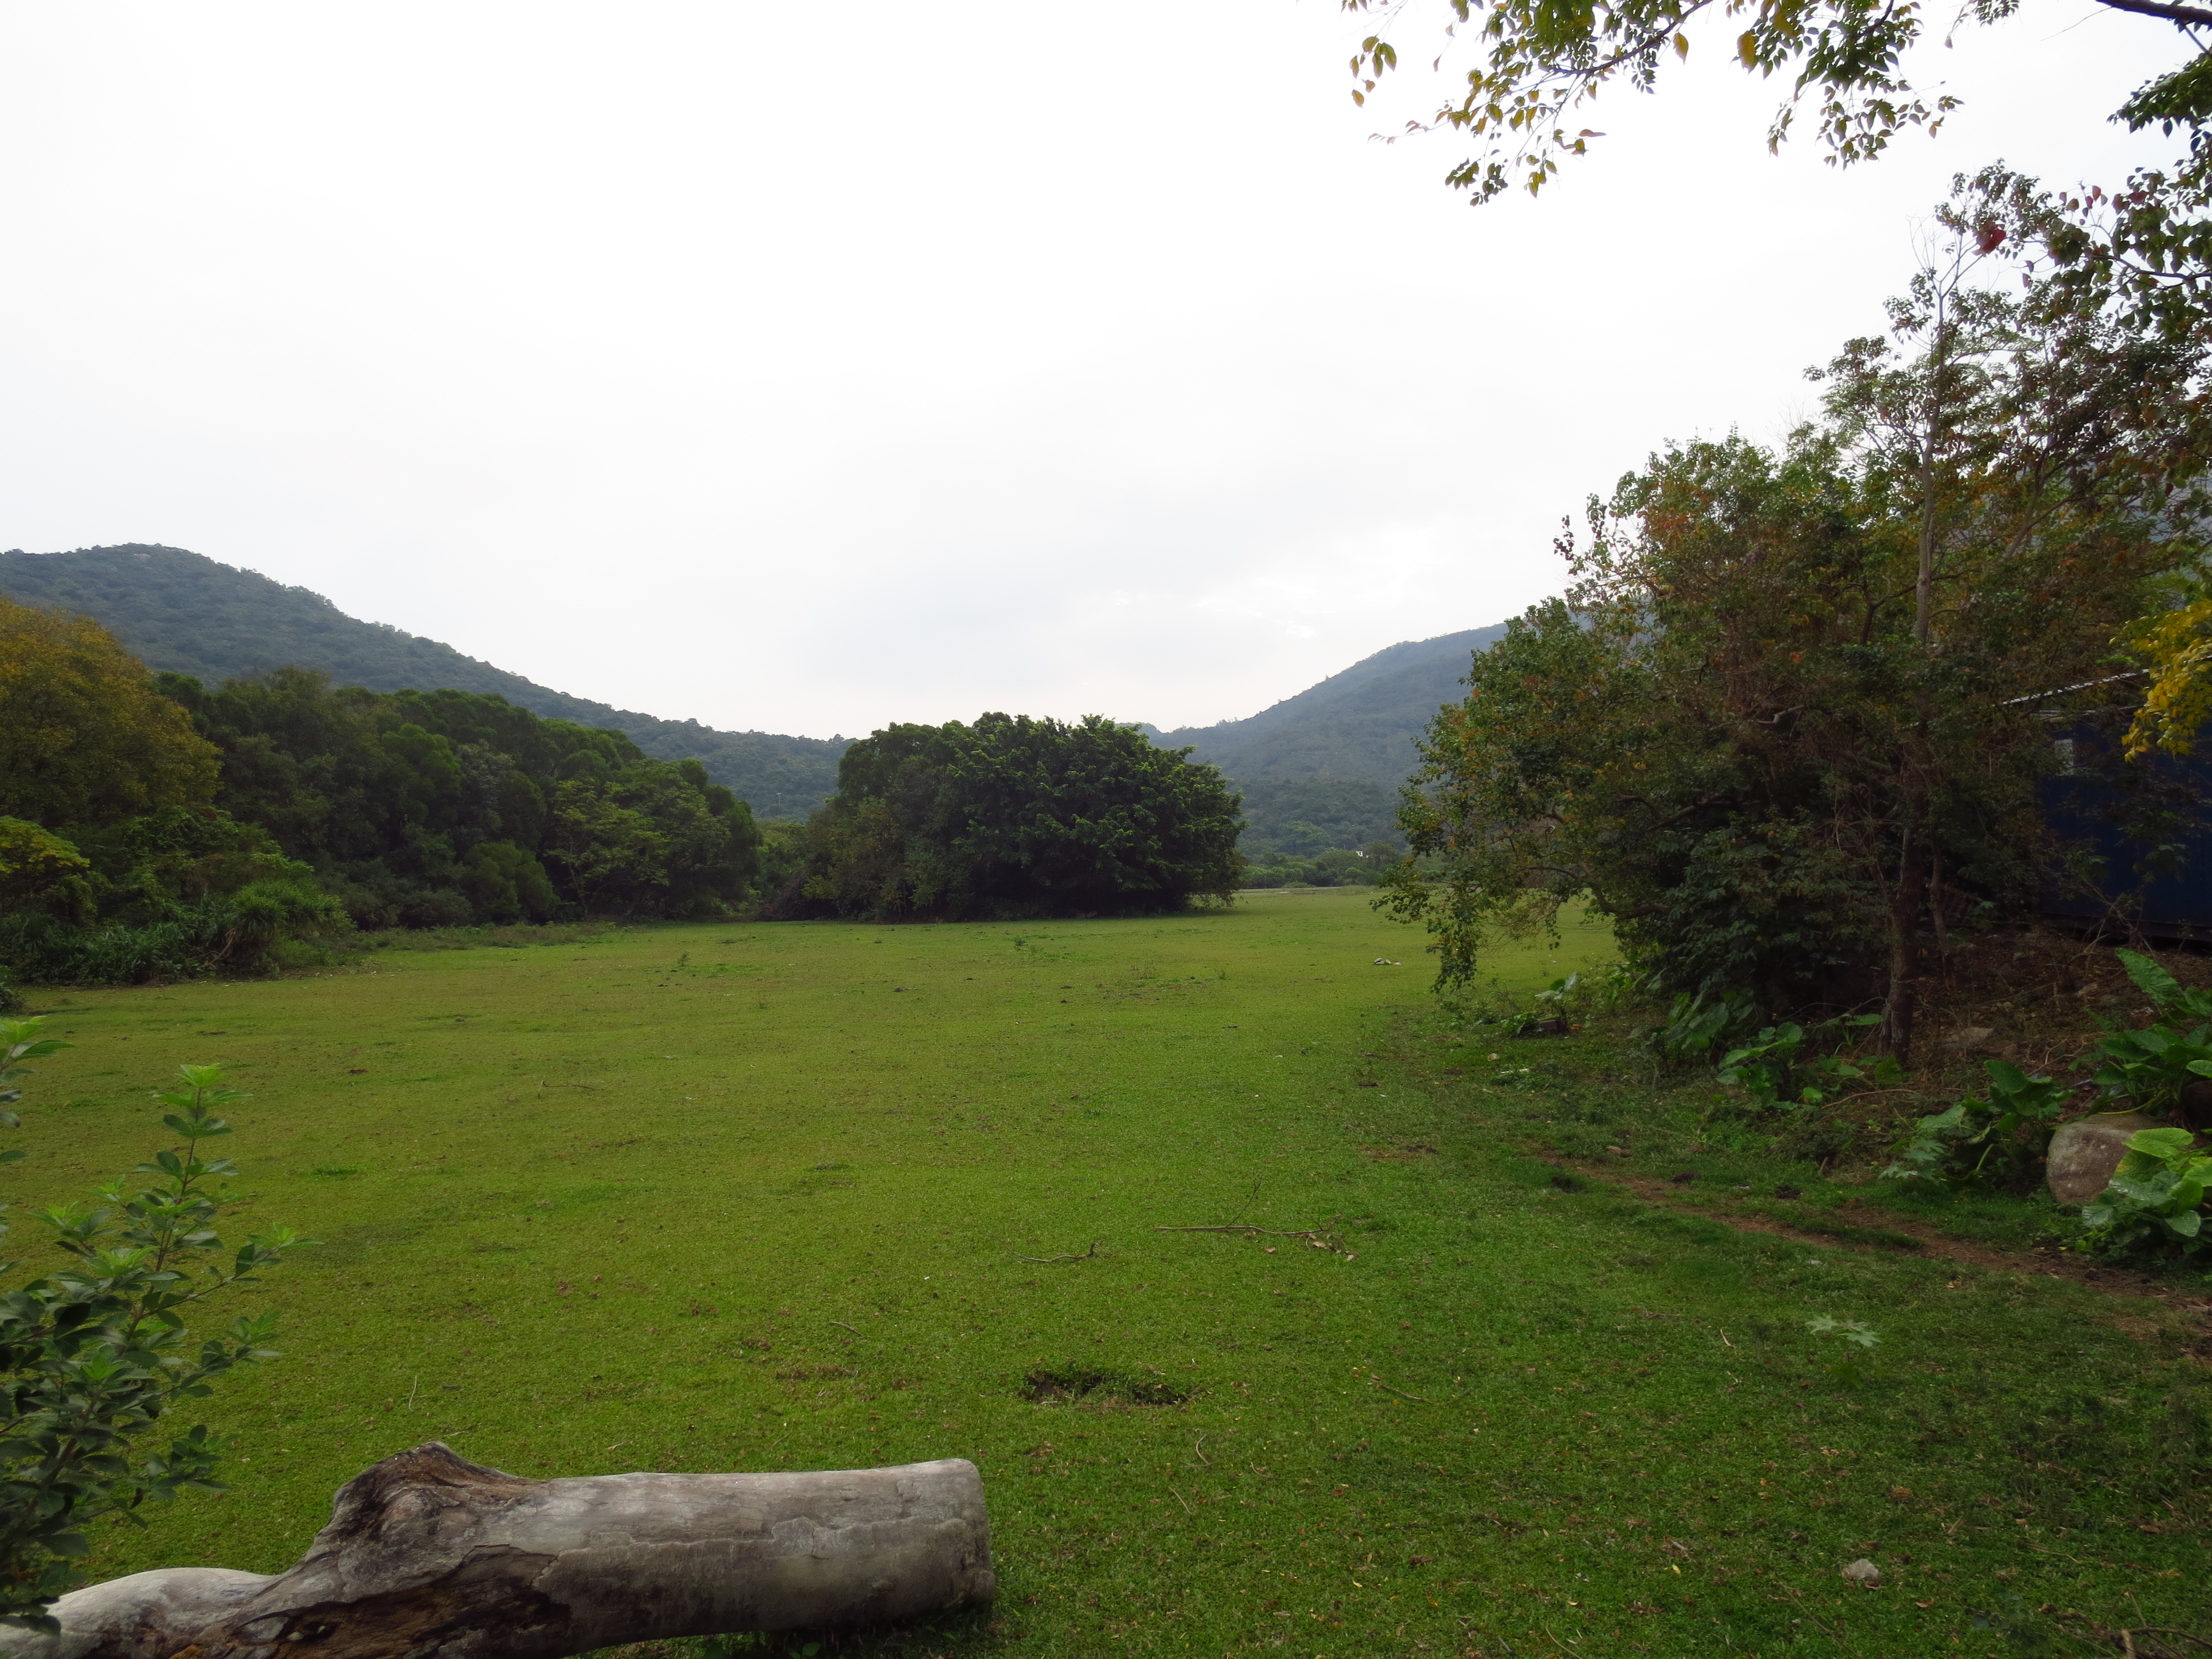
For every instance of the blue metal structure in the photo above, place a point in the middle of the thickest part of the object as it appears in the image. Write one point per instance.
(2177, 903)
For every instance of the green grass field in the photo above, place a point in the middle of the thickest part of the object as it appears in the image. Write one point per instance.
(767, 1196)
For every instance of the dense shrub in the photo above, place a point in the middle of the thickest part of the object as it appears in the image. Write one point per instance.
(1789, 725)
(443, 809)
(1338, 867)
(1012, 816)
(333, 810)
(258, 926)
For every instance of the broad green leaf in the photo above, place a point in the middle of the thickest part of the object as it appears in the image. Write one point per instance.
(2153, 980)
(2167, 1145)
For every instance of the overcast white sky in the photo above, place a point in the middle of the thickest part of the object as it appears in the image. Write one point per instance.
(807, 368)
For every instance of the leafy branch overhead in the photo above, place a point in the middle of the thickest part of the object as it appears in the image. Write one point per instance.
(1538, 63)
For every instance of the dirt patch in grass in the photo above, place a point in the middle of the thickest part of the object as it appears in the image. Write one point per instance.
(1090, 1385)
(1413, 1154)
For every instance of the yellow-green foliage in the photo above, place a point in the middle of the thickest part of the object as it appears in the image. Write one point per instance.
(84, 738)
(36, 867)
(712, 1197)
(2177, 646)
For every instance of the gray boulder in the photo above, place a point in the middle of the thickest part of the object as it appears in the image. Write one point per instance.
(2085, 1152)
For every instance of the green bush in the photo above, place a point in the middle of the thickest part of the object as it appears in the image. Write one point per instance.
(1697, 1023)
(1339, 866)
(95, 1356)
(1999, 1140)
(2149, 1068)
(505, 883)
(242, 933)
(1776, 1068)
(2156, 1196)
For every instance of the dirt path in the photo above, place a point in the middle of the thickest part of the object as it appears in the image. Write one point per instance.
(2185, 1315)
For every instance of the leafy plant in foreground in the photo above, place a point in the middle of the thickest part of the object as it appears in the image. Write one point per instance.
(1773, 1069)
(1999, 1138)
(1698, 1025)
(2150, 1067)
(2156, 1195)
(1558, 993)
(1513, 1023)
(93, 1356)
(23, 1042)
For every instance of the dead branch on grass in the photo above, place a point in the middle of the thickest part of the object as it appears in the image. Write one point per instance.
(1401, 1393)
(1313, 1235)
(1046, 1261)
(427, 1555)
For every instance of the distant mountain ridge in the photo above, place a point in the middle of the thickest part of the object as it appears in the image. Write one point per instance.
(1358, 724)
(1323, 769)
(1319, 770)
(184, 613)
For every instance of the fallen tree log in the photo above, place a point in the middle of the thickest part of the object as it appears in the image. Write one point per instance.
(429, 1556)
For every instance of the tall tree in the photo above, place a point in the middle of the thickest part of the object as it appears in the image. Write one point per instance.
(1791, 717)
(426, 808)
(1016, 815)
(83, 736)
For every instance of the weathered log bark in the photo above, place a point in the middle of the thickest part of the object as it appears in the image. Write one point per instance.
(429, 1556)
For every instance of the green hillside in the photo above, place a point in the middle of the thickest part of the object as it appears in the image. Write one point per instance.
(1323, 768)
(1319, 770)
(186, 614)
(1358, 723)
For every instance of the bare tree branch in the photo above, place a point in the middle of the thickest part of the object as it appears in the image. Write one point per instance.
(2187, 15)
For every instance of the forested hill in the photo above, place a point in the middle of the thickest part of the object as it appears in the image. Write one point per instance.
(1358, 723)
(185, 613)
(1323, 768)
(1318, 771)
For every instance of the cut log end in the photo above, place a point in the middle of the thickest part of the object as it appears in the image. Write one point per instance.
(429, 1556)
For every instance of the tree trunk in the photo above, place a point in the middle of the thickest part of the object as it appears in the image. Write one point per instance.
(1902, 1001)
(429, 1556)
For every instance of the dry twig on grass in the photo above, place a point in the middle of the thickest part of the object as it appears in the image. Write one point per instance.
(1313, 1235)
(1046, 1261)
(2128, 1637)
(1401, 1393)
